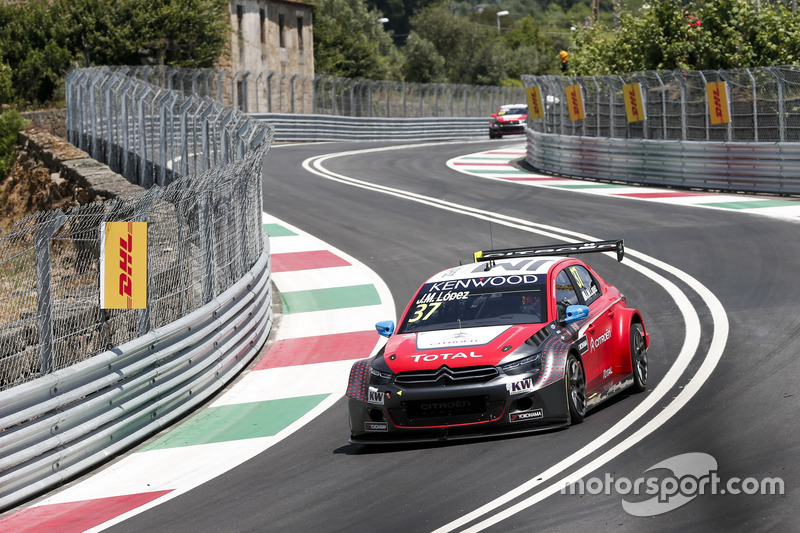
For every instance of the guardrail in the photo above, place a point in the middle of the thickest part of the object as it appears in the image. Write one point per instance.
(772, 168)
(293, 127)
(273, 92)
(79, 383)
(66, 422)
(664, 128)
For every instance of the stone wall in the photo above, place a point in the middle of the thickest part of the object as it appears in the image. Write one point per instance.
(50, 173)
(76, 166)
(52, 120)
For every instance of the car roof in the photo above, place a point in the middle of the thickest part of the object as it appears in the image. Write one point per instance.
(513, 105)
(539, 266)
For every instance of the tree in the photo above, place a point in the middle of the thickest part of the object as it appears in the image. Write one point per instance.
(423, 64)
(732, 34)
(458, 40)
(531, 51)
(41, 40)
(350, 42)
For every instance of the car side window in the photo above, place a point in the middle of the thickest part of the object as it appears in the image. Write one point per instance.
(585, 283)
(565, 294)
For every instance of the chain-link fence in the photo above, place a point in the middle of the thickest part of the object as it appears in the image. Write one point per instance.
(203, 214)
(272, 92)
(764, 105)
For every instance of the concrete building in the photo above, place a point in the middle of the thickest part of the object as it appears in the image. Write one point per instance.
(271, 37)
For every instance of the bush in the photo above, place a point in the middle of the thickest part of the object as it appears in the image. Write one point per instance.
(11, 123)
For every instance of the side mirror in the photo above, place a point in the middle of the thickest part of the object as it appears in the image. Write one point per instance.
(575, 313)
(494, 115)
(385, 328)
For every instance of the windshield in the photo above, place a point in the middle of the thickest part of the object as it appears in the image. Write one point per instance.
(513, 111)
(435, 309)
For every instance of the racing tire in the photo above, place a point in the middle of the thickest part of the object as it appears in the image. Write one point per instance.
(576, 390)
(492, 134)
(638, 358)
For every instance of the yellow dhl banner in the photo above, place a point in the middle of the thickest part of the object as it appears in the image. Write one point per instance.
(123, 265)
(575, 103)
(634, 108)
(718, 107)
(535, 107)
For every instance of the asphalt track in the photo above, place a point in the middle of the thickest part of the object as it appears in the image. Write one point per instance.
(743, 413)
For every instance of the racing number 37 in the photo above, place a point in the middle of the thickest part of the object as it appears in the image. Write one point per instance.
(420, 311)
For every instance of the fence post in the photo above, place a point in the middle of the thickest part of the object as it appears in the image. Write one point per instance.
(258, 92)
(684, 107)
(109, 121)
(140, 214)
(184, 111)
(663, 107)
(269, 92)
(645, 102)
(195, 75)
(143, 181)
(612, 108)
(781, 104)
(291, 92)
(243, 96)
(224, 138)
(705, 106)
(755, 105)
(93, 116)
(44, 300)
(206, 146)
(126, 148)
(221, 75)
(206, 242)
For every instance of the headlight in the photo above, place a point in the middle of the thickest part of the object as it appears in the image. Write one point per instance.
(376, 377)
(526, 365)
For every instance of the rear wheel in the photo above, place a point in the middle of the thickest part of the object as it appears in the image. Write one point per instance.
(576, 390)
(638, 358)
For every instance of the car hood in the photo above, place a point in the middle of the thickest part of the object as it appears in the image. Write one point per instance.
(456, 348)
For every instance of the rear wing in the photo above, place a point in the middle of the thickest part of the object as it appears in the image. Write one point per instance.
(617, 246)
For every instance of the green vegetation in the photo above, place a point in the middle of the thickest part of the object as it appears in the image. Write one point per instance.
(41, 40)
(426, 41)
(732, 34)
(458, 41)
(11, 123)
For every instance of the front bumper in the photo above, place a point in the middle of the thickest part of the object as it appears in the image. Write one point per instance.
(510, 128)
(394, 415)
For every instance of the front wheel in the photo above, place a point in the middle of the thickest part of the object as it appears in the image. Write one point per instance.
(576, 390)
(638, 358)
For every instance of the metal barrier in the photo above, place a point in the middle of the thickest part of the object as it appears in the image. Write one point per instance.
(66, 422)
(763, 105)
(79, 383)
(293, 127)
(674, 142)
(273, 92)
(772, 168)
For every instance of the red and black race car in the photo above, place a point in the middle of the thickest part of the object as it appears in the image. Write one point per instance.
(512, 118)
(522, 340)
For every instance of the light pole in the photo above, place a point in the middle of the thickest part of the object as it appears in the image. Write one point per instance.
(500, 14)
